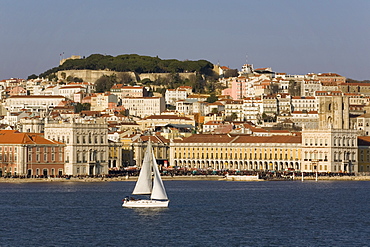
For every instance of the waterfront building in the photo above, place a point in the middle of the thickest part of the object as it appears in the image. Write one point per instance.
(115, 154)
(332, 147)
(86, 151)
(364, 154)
(237, 152)
(30, 154)
(161, 149)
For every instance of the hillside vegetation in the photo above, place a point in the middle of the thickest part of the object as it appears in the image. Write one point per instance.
(134, 63)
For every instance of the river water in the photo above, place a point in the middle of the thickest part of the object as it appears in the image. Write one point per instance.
(201, 213)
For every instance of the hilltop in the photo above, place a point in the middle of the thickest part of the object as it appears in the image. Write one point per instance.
(133, 63)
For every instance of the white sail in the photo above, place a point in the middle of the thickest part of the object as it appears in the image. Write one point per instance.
(159, 192)
(144, 183)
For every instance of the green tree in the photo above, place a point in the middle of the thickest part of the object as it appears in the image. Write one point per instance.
(52, 77)
(212, 98)
(82, 107)
(214, 111)
(134, 63)
(105, 83)
(33, 76)
(231, 117)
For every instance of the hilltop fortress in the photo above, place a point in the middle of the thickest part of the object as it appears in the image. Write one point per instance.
(93, 75)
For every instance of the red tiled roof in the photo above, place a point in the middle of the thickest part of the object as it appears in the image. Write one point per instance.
(15, 137)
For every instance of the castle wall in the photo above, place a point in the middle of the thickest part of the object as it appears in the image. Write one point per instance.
(156, 76)
(93, 75)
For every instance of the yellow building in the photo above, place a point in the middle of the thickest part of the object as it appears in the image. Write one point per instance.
(239, 152)
(364, 154)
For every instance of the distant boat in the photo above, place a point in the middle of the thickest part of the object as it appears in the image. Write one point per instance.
(148, 185)
(243, 177)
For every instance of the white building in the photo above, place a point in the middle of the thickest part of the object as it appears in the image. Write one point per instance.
(253, 109)
(310, 86)
(86, 151)
(306, 119)
(234, 108)
(332, 147)
(304, 103)
(69, 91)
(33, 103)
(180, 93)
(144, 106)
(102, 101)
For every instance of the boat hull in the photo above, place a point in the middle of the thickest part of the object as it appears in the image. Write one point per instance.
(145, 204)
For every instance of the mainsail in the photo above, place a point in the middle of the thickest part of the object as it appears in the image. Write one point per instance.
(144, 182)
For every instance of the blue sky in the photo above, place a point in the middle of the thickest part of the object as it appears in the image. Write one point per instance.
(291, 36)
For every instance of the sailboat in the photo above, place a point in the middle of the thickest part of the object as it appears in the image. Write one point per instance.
(148, 185)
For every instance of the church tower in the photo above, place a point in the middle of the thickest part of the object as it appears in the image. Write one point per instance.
(333, 110)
